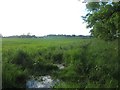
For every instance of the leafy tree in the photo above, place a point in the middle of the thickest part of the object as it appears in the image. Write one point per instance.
(104, 19)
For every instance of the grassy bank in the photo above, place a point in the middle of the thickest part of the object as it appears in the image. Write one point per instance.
(88, 63)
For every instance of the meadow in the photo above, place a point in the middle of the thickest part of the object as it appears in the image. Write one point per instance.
(89, 62)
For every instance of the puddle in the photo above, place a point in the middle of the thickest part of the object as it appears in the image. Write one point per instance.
(41, 82)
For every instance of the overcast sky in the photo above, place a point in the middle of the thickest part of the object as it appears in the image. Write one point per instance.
(42, 17)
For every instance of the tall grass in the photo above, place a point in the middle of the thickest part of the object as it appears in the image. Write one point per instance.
(89, 63)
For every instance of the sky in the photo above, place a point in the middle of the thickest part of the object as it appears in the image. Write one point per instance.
(42, 17)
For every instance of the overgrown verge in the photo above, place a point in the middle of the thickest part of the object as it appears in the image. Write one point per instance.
(90, 64)
(93, 65)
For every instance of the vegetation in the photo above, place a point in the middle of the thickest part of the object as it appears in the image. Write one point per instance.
(89, 63)
(50, 35)
(103, 19)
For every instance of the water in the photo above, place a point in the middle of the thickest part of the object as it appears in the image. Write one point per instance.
(60, 66)
(43, 81)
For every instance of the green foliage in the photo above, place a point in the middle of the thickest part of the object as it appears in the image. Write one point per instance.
(67, 85)
(103, 19)
(57, 56)
(89, 63)
(42, 67)
(13, 76)
(92, 67)
(93, 6)
(22, 58)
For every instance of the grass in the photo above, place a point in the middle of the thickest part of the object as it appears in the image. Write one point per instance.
(89, 63)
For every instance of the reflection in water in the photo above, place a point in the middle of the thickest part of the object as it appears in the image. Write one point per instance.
(41, 82)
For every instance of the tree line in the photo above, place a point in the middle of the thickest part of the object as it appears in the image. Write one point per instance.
(50, 35)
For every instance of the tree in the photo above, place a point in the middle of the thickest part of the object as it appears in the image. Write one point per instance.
(104, 19)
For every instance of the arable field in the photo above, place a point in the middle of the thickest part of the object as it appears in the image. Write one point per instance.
(88, 63)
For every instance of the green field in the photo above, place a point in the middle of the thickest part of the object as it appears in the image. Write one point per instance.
(89, 63)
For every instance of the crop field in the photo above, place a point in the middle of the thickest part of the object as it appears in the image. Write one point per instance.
(88, 62)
